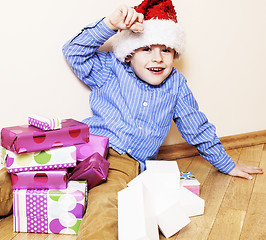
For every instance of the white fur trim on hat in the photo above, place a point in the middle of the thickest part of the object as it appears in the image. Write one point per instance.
(156, 31)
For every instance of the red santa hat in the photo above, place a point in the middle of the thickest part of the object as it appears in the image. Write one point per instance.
(160, 27)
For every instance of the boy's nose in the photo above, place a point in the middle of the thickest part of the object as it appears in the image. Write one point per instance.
(157, 55)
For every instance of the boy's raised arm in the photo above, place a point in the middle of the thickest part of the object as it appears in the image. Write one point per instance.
(83, 56)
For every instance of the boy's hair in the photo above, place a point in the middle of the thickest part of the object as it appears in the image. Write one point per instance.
(160, 27)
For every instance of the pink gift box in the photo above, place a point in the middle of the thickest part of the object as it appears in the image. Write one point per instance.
(50, 179)
(23, 139)
(188, 180)
(93, 169)
(49, 210)
(97, 144)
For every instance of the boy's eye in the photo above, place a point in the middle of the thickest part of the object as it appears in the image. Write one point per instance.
(146, 49)
(166, 50)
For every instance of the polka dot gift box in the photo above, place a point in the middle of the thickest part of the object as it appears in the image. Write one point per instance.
(188, 180)
(44, 123)
(50, 211)
(44, 160)
(26, 138)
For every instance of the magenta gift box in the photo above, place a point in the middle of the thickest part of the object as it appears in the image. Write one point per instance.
(49, 211)
(23, 139)
(97, 144)
(44, 160)
(188, 180)
(50, 179)
(94, 170)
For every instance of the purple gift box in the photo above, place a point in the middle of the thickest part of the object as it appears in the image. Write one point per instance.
(93, 169)
(50, 179)
(49, 211)
(97, 144)
(25, 138)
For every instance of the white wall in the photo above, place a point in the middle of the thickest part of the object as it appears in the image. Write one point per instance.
(224, 61)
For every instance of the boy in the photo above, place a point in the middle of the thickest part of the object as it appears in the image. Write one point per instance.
(136, 93)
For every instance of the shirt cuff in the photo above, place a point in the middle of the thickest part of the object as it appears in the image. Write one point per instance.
(225, 164)
(100, 31)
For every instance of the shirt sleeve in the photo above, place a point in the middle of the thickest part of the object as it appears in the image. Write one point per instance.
(82, 54)
(196, 130)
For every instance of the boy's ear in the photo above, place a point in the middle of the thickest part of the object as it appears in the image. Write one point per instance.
(128, 58)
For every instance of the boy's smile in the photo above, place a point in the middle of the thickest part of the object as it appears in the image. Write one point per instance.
(152, 64)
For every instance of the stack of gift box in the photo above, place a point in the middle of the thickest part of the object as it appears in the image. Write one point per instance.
(52, 164)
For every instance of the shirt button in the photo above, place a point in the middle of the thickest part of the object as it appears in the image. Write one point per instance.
(146, 85)
(145, 104)
(129, 150)
(139, 128)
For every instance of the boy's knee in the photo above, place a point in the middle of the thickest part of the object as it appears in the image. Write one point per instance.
(6, 193)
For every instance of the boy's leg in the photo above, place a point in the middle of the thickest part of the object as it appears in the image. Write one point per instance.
(100, 221)
(6, 193)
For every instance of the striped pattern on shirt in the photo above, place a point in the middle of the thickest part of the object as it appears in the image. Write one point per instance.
(134, 115)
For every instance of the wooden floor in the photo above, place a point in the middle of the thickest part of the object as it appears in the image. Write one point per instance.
(234, 208)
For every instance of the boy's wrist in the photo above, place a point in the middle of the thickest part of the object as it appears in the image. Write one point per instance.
(109, 24)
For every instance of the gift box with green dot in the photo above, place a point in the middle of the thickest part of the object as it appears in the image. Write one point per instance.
(50, 211)
(58, 158)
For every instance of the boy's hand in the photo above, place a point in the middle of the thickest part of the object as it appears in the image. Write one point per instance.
(125, 18)
(244, 171)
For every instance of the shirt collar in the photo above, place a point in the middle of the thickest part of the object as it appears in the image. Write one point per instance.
(127, 67)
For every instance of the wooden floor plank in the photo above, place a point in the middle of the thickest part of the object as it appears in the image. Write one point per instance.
(193, 231)
(31, 236)
(239, 191)
(213, 192)
(238, 194)
(6, 228)
(61, 237)
(259, 185)
(254, 227)
(254, 224)
(251, 155)
(228, 224)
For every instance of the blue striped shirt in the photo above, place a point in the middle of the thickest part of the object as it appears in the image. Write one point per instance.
(134, 115)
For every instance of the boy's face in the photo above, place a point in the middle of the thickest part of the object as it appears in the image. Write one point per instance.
(152, 64)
